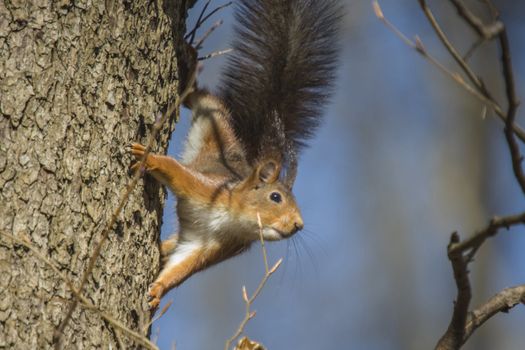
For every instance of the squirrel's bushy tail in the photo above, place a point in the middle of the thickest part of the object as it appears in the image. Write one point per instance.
(280, 73)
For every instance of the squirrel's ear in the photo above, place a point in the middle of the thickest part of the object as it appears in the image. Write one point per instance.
(268, 171)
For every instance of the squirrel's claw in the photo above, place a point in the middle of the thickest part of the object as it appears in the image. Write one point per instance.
(154, 303)
(154, 294)
(137, 150)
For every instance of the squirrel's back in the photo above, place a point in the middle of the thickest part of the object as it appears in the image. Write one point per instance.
(228, 184)
(280, 73)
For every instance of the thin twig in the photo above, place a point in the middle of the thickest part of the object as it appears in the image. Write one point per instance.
(105, 233)
(487, 32)
(493, 10)
(91, 264)
(419, 48)
(263, 247)
(201, 20)
(460, 254)
(512, 107)
(24, 241)
(478, 83)
(215, 11)
(191, 34)
(214, 54)
(162, 312)
(119, 340)
(116, 323)
(249, 300)
(473, 48)
(452, 50)
(198, 44)
(477, 239)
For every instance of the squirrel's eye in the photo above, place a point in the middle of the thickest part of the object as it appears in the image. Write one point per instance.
(276, 197)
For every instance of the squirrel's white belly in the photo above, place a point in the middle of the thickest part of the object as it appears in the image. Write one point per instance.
(209, 224)
(206, 230)
(195, 139)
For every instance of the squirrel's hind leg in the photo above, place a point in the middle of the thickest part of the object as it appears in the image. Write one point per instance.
(186, 259)
(167, 247)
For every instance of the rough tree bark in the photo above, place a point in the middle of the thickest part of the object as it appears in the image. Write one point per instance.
(80, 80)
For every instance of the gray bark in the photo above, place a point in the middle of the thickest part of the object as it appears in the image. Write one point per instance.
(79, 81)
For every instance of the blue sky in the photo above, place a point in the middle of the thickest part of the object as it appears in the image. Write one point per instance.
(403, 159)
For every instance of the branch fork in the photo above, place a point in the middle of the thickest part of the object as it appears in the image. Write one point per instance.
(460, 253)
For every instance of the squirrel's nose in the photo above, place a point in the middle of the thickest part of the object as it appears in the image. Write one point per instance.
(298, 225)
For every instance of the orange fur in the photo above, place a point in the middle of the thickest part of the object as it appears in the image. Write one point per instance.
(227, 182)
(168, 246)
(181, 180)
(220, 197)
(173, 276)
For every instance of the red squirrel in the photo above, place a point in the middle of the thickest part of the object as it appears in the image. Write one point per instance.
(240, 158)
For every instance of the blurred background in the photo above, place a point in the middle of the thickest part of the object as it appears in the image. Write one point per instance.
(405, 157)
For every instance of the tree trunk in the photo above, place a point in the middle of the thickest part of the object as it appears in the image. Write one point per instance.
(79, 81)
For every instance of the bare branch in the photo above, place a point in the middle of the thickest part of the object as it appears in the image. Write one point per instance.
(201, 20)
(161, 313)
(487, 32)
(513, 103)
(249, 300)
(24, 241)
(418, 46)
(451, 49)
(477, 239)
(453, 337)
(198, 44)
(501, 302)
(123, 200)
(479, 93)
(119, 340)
(459, 330)
(473, 48)
(191, 34)
(497, 29)
(217, 9)
(214, 54)
(460, 254)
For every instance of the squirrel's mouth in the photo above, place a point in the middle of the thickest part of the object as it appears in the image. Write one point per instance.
(273, 234)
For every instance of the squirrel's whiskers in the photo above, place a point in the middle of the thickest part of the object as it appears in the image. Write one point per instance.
(240, 157)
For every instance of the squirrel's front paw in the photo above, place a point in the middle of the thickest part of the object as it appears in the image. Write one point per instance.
(138, 150)
(155, 292)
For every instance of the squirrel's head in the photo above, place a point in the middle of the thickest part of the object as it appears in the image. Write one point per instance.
(263, 194)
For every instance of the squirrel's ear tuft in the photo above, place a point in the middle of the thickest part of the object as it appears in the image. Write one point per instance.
(268, 171)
